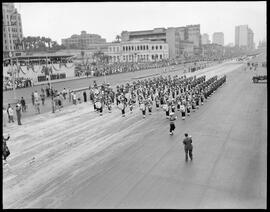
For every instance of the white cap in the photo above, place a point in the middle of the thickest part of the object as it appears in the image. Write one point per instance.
(171, 114)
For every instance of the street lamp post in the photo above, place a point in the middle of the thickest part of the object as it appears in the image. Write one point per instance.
(50, 83)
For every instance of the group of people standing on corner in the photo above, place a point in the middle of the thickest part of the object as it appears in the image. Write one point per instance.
(8, 114)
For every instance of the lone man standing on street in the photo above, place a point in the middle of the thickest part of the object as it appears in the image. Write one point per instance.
(188, 146)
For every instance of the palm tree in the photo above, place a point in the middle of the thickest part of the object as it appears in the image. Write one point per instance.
(49, 41)
(118, 38)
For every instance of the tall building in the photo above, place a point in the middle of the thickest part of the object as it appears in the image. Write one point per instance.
(83, 41)
(251, 44)
(244, 37)
(205, 39)
(194, 34)
(218, 38)
(177, 38)
(12, 30)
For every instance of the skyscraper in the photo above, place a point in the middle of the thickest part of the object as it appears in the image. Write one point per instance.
(12, 29)
(218, 38)
(244, 37)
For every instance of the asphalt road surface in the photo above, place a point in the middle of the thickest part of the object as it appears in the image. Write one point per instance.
(77, 159)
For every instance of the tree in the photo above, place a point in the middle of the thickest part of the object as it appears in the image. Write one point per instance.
(118, 38)
(40, 44)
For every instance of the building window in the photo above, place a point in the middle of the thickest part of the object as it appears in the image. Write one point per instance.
(160, 56)
(153, 47)
(147, 47)
(153, 57)
(156, 47)
(160, 47)
(132, 48)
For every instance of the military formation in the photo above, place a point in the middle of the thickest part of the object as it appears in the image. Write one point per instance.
(169, 93)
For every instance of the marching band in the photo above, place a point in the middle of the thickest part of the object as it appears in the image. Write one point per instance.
(170, 93)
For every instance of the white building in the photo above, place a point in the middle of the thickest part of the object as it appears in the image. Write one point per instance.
(138, 51)
(218, 38)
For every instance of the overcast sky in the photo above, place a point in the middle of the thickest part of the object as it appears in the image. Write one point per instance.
(61, 20)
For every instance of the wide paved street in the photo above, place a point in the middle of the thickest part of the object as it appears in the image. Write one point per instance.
(77, 159)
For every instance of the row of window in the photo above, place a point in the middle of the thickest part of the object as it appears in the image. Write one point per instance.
(13, 30)
(141, 47)
(131, 57)
(10, 41)
(13, 35)
(83, 41)
(143, 58)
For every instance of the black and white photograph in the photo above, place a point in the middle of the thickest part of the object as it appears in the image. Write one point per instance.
(134, 105)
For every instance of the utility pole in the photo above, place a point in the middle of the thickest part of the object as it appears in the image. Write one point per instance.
(52, 100)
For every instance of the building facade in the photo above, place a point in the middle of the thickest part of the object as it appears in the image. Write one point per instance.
(12, 30)
(251, 44)
(83, 41)
(194, 34)
(186, 48)
(218, 38)
(138, 51)
(173, 36)
(244, 37)
(205, 39)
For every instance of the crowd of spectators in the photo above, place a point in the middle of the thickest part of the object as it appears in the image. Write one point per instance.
(37, 62)
(20, 82)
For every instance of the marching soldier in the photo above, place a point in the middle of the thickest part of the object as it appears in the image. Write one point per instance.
(173, 106)
(167, 110)
(188, 108)
(149, 104)
(99, 107)
(183, 111)
(157, 102)
(143, 108)
(172, 125)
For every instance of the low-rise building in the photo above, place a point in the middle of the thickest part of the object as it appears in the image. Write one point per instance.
(138, 51)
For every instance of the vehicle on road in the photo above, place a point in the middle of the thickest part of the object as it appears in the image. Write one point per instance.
(256, 79)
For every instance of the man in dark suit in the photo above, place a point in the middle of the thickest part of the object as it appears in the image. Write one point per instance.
(188, 146)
